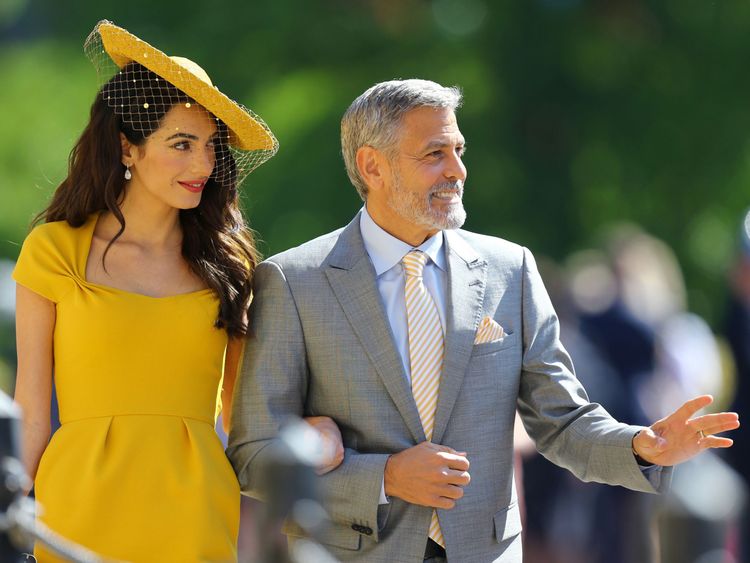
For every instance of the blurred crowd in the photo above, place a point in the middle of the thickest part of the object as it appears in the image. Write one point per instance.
(640, 353)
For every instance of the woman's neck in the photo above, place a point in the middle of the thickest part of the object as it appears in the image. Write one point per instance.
(146, 225)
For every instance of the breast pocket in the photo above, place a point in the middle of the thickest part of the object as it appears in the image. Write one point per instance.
(492, 377)
(503, 343)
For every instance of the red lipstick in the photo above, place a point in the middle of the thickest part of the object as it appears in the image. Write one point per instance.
(194, 186)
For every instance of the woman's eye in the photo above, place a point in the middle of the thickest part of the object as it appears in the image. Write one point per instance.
(181, 146)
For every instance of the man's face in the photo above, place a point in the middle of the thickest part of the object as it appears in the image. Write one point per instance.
(424, 191)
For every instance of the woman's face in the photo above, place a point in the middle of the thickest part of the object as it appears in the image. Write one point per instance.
(174, 164)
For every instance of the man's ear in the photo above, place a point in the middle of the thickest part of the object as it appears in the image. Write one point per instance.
(373, 166)
(128, 150)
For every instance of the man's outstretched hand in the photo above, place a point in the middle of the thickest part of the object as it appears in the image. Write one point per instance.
(680, 436)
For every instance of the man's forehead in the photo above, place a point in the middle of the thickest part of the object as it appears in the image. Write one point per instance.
(424, 113)
(430, 126)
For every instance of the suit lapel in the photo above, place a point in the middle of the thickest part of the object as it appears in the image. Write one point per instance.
(352, 278)
(467, 276)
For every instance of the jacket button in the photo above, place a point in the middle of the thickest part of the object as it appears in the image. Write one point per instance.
(367, 530)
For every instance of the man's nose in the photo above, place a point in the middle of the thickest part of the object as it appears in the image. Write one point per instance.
(455, 169)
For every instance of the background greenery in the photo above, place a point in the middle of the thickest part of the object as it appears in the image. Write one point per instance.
(577, 114)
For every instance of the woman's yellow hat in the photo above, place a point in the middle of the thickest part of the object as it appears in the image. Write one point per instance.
(108, 42)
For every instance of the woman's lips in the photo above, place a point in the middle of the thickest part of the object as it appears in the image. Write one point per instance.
(194, 186)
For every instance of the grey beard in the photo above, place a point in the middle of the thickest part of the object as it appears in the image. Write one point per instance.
(419, 211)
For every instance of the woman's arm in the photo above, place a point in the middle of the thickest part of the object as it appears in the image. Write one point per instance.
(35, 325)
(231, 365)
(330, 436)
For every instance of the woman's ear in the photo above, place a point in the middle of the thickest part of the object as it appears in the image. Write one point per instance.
(128, 150)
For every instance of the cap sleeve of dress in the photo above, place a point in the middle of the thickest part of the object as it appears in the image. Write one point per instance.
(46, 262)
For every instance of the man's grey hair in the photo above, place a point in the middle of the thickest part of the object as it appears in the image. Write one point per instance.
(374, 118)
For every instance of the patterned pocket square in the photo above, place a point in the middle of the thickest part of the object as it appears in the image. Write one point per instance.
(488, 331)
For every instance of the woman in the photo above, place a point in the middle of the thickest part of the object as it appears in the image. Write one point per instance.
(134, 293)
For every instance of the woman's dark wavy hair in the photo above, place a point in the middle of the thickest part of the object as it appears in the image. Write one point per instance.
(217, 244)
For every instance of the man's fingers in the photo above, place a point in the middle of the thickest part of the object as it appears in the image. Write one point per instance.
(463, 479)
(451, 492)
(455, 461)
(443, 502)
(456, 492)
(442, 448)
(715, 423)
(715, 418)
(717, 429)
(689, 408)
(716, 442)
(460, 478)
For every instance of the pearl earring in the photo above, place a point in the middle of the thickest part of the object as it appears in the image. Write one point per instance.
(128, 174)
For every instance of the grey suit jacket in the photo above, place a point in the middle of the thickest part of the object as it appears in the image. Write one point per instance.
(320, 344)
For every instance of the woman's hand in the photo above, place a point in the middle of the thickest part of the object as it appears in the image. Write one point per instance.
(333, 445)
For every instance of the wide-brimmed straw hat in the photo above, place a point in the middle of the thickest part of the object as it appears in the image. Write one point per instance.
(108, 44)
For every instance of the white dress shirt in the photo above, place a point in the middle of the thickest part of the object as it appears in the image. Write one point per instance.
(386, 253)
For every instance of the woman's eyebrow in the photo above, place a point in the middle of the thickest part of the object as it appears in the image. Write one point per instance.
(188, 136)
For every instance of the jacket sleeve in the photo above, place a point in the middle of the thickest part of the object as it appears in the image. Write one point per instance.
(272, 387)
(569, 430)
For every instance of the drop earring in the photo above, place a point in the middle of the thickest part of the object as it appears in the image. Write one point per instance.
(128, 174)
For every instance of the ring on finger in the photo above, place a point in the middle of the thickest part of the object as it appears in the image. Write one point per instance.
(701, 434)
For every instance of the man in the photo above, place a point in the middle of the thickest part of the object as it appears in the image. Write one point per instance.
(422, 358)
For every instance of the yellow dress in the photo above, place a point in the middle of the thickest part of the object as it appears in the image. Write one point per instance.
(136, 472)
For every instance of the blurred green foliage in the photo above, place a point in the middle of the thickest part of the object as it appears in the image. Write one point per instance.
(577, 114)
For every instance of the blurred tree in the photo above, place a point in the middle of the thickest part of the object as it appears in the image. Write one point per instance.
(577, 113)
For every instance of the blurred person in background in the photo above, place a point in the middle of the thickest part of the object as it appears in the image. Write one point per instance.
(692, 523)
(639, 354)
(133, 293)
(697, 520)
(569, 521)
(737, 330)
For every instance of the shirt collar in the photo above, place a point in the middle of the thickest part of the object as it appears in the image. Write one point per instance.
(386, 251)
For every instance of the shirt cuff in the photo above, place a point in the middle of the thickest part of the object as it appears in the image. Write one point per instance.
(653, 473)
(383, 498)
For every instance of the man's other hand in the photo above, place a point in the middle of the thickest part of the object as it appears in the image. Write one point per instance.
(427, 474)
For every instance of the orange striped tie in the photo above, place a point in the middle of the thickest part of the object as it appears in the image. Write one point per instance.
(425, 352)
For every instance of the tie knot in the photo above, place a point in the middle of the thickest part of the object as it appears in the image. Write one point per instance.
(414, 263)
